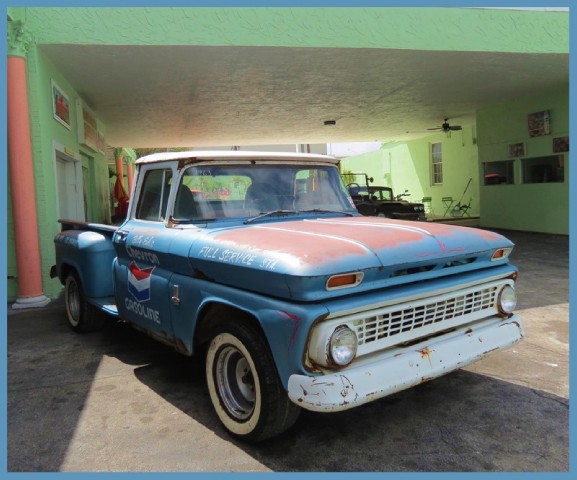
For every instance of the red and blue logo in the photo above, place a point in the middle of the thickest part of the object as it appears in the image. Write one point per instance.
(139, 282)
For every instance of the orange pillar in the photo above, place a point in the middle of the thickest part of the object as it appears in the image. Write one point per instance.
(30, 293)
(122, 198)
(130, 174)
(120, 169)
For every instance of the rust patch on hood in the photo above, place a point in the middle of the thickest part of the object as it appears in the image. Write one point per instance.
(302, 243)
(337, 238)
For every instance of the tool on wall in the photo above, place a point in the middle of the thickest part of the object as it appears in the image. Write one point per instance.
(460, 207)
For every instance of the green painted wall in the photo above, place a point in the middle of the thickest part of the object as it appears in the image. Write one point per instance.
(406, 166)
(537, 207)
(48, 134)
(534, 207)
(385, 27)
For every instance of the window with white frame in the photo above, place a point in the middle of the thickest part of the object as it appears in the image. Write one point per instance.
(436, 164)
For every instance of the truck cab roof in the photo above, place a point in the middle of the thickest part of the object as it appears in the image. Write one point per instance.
(228, 155)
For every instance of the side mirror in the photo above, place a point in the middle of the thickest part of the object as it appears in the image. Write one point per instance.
(371, 179)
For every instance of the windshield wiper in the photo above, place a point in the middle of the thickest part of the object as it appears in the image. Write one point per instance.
(321, 210)
(191, 220)
(268, 214)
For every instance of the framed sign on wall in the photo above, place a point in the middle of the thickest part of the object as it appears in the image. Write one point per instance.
(515, 150)
(87, 126)
(60, 105)
(539, 123)
(560, 144)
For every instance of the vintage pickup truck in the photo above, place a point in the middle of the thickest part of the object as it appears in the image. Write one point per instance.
(261, 264)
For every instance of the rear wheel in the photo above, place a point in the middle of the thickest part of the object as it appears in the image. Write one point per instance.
(244, 386)
(82, 317)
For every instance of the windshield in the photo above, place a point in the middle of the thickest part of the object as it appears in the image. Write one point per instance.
(381, 193)
(241, 191)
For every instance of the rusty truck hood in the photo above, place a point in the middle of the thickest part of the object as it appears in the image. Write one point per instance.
(295, 258)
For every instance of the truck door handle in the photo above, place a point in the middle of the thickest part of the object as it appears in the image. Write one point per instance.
(175, 297)
(121, 236)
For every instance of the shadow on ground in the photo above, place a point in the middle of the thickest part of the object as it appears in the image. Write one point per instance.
(460, 422)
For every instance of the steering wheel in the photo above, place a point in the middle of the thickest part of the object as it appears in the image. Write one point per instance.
(354, 189)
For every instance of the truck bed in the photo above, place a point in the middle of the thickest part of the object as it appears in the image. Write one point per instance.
(95, 227)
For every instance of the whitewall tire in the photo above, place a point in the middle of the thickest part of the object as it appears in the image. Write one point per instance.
(81, 315)
(244, 386)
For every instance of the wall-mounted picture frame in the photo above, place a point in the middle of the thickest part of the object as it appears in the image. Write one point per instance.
(60, 105)
(87, 126)
(560, 144)
(539, 123)
(515, 150)
(101, 142)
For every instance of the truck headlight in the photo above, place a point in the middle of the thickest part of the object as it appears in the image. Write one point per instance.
(343, 345)
(507, 300)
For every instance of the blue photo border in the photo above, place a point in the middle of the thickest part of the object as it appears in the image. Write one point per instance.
(256, 3)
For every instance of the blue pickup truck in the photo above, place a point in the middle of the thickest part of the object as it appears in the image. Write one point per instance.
(261, 263)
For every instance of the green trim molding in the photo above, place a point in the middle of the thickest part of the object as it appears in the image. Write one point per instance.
(18, 39)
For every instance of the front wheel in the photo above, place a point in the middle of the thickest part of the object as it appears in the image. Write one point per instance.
(244, 386)
(82, 317)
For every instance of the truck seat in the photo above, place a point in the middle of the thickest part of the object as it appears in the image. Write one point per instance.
(185, 206)
(261, 198)
(189, 207)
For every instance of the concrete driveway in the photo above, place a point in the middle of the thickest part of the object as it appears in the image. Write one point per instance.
(118, 401)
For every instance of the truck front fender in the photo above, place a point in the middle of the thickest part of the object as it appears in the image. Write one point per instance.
(284, 325)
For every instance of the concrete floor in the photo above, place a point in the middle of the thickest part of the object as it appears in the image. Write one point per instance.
(116, 401)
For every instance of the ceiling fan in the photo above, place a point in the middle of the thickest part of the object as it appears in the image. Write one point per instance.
(446, 128)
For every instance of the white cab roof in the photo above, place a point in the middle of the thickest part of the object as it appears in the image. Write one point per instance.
(228, 155)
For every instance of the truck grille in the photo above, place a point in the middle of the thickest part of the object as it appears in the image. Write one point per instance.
(389, 323)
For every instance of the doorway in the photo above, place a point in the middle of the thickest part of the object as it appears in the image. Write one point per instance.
(70, 188)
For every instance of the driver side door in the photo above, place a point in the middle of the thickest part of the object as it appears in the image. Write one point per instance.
(142, 245)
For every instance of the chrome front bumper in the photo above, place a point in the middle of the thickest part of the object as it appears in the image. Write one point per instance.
(405, 368)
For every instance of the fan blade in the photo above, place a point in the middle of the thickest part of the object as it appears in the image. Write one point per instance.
(456, 127)
(436, 128)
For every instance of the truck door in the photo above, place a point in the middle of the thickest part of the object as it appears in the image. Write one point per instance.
(141, 271)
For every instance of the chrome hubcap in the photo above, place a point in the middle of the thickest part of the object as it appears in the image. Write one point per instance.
(235, 383)
(73, 302)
